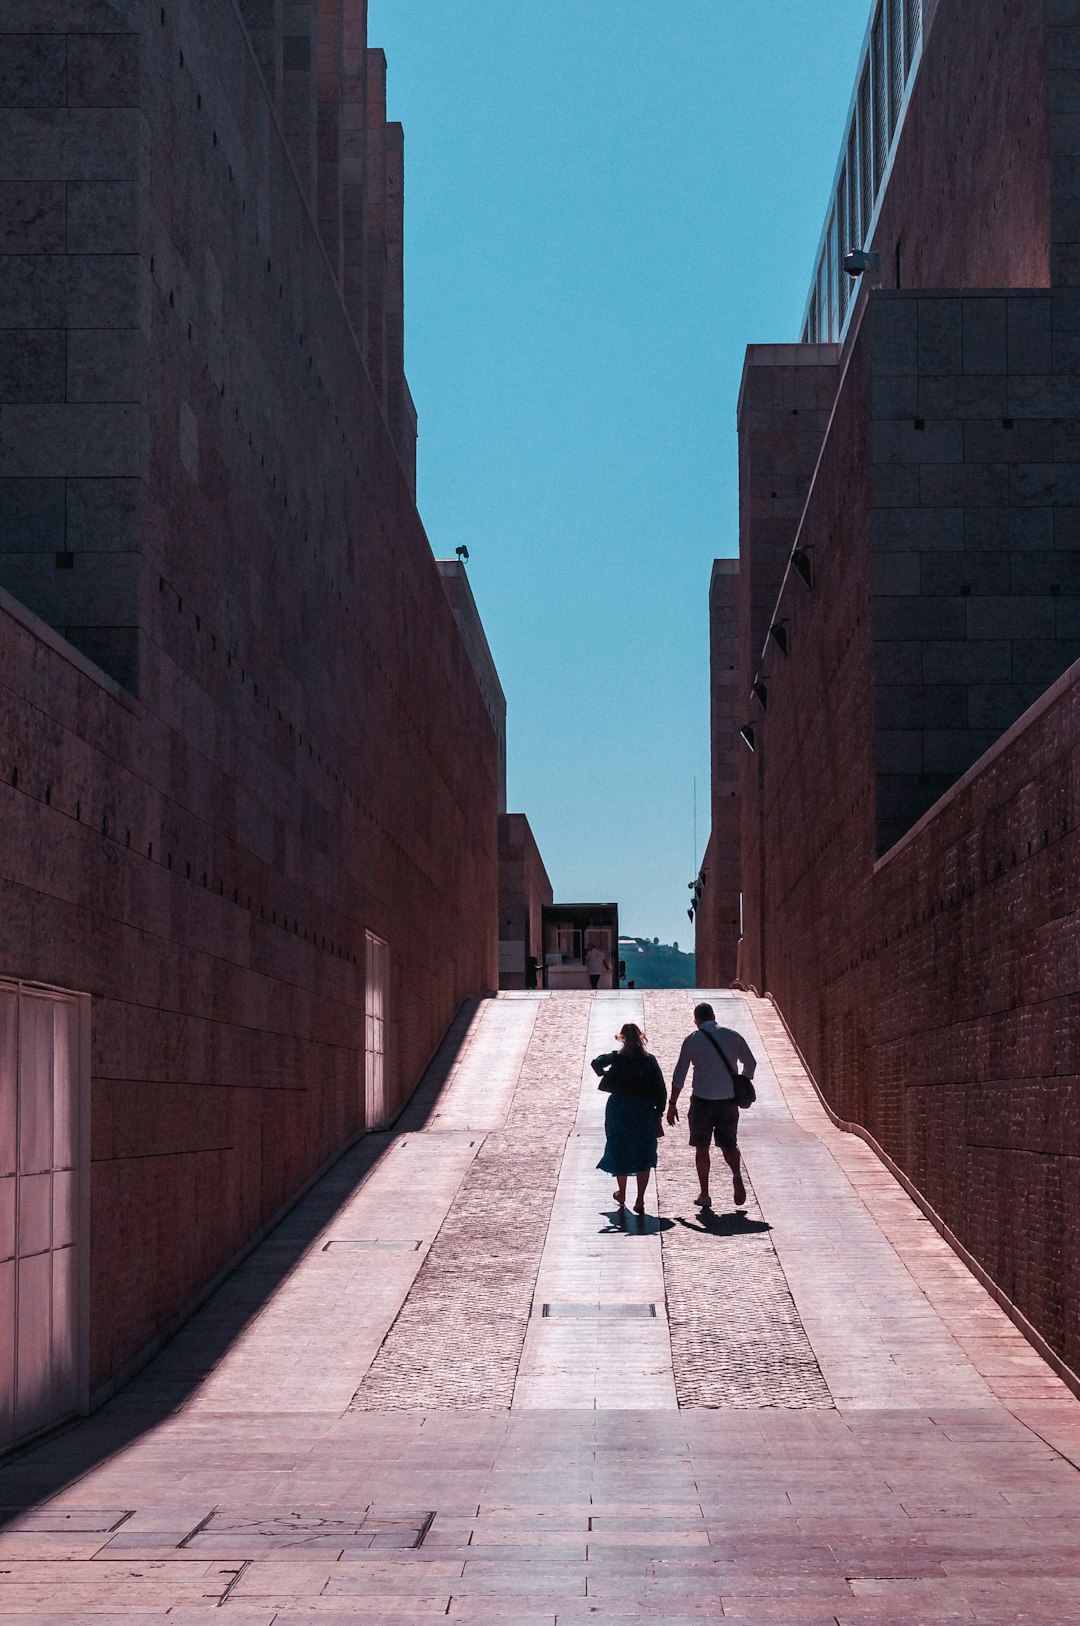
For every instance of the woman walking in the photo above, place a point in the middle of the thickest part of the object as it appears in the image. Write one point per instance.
(632, 1121)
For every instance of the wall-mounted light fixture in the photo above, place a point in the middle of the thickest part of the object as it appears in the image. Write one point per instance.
(760, 691)
(779, 634)
(803, 565)
(746, 734)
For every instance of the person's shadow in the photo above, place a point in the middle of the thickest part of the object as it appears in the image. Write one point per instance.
(625, 1220)
(710, 1223)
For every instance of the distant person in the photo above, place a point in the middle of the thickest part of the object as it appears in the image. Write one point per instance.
(596, 963)
(715, 1054)
(633, 1118)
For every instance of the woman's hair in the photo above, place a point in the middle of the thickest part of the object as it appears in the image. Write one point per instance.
(633, 1039)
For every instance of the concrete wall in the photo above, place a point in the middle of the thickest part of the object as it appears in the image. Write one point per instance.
(524, 890)
(975, 534)
(460, 595)
(934, 991)
(909, 855)
(270, 738)
(968, 202)
(716, 918)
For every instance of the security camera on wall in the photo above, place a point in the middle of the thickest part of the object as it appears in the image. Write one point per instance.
(857, 261)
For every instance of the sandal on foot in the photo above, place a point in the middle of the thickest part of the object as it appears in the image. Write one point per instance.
(739, 1192)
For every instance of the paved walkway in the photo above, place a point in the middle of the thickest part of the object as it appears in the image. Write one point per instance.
(457, 1383)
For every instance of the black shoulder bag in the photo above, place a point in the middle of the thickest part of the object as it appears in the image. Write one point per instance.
(745, 1093)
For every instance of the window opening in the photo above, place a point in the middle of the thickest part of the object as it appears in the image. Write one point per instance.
(912, 31)
(881, 98)
(43, 1133)
(376, 996)
(866, 156)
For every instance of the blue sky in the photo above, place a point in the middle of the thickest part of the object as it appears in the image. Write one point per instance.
(606, 201)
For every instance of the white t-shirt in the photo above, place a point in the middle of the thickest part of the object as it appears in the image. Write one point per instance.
(712, 1081)
(594, 961)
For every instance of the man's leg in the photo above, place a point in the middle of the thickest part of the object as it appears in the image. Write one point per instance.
(704, 1163)
(733, 1159)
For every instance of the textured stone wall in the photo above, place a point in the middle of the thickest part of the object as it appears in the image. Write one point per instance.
(975, 536)
(199, 488)
(716, 919)
(969, 198)
(935, 991)
(524, 890)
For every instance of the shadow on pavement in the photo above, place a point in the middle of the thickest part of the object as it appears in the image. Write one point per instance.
(624, 1219)
(714, 1224)
(38, 1470)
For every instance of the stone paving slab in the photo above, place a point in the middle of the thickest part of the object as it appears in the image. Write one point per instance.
(458, 1337)
(601, 1270)
(234, 1482)
(736, 1336)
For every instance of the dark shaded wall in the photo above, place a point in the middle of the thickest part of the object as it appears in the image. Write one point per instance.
(910, 866)
(716, 917)
(270, 739)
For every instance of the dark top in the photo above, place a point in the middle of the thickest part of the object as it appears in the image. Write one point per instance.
(636, 1075)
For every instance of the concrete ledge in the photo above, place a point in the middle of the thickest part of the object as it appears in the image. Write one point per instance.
(60, 646)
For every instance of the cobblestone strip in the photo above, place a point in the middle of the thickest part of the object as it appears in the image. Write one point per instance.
(457, 1340)
(736, 1338)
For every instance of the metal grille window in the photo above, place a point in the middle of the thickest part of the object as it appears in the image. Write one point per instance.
(888, 62)
(834, 272)
(866, 155)
(912, 31)
(897, 74)
(881, 97)
(843, 243)
(855, 230)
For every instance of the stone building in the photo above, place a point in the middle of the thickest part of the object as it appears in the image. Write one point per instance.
(910, 523)
(524, 893)
(716, 905)
(249, 779)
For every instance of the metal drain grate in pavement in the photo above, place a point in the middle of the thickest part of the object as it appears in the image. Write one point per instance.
(60, 1521)
(599, 1312)
(370, 1245)
(235, 1534)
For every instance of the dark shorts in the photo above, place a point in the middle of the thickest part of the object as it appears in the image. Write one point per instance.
(713, 1120)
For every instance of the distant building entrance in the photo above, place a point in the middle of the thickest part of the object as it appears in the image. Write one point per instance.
(44, 1133)
(376, 993)
(573, 933)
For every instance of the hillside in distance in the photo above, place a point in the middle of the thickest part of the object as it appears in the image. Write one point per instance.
(652, 964)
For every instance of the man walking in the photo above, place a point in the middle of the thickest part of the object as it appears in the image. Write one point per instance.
(715, 1054)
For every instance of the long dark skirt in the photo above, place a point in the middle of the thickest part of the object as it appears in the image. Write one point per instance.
(630, 1125)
